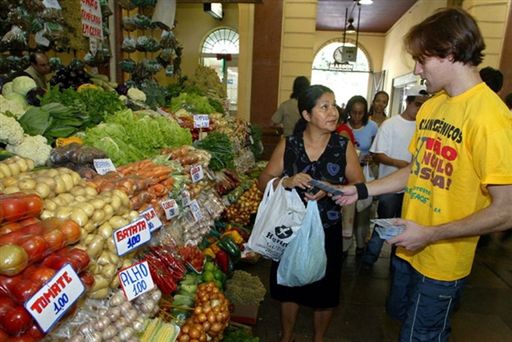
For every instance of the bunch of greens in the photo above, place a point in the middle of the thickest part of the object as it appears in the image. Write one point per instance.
(233, 334)
(128, 136)
(244, 288)
(192, 102)
(256, 145)
(52, 120)
(221, 149)
(90, 104)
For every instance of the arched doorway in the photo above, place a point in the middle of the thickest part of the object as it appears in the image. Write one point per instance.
(347, 78)
(220, 51)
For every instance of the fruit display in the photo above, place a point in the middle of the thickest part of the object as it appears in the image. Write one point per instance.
(246, 205)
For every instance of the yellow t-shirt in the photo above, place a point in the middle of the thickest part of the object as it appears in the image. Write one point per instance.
(461, 144)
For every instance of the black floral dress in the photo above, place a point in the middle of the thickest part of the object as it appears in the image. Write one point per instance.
(329, 167)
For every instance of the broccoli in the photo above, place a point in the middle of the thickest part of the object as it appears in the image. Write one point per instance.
(244, 288)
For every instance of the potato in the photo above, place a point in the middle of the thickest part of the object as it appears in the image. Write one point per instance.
(68, 181)
(95, 247)
(115, 283)
(47, 214)
(67, 197)
(60, 186)
(46, 180)
(22, 164)
(79, 216)
(89, 190)
(88, 239)
(30, 163)
(88, 208)
(27, 184)
(99, 294)
(109, 271)
(77, 191)
(98, 216)
(90, 227)
(80, 199)
(105, 230)
(50, 204)
(98, 203)
(123, 197)
(11, 189)
(51, 173)
(42, 190)
(5, 170)
(118, 222)
(115, 203)
(76, 177)
(99, 282)
(63, 212)
(109, 211)
(83, 236)
(15, 169)
(111, 246)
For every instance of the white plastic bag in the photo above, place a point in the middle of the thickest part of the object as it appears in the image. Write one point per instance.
(304, 260)
(368, 176)
(279, 216)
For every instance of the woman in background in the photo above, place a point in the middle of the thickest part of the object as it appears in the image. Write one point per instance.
(378, 107)
(314, 151)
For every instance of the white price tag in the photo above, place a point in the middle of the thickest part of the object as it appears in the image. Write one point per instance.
(136, 280)
(185, 198)
(131, 236)
(152, 219)
(103, 166)
(50, 303)
(170, 208)
(196, 211)
(41, 39)
(201, 121)
(51, 4)
(196, 173)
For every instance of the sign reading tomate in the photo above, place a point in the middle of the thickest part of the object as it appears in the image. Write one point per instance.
(90, 11)
(50, 303)
(131, 236)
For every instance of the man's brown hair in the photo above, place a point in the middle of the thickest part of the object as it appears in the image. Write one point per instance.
(451, 31)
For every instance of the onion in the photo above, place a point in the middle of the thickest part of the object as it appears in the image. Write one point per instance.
(138, 326)
(121, 323)
(147, 307)
(126, 333)
(131, 314)
(156, 295)
(109, 332)
(126, 306)
(117, 299)
(113, 313)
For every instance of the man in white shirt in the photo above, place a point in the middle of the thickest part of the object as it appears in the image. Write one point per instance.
(390, 150)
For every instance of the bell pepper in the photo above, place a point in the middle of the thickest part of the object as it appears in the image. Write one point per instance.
(235, 235)
(209, 252)
(227, 244)
(222, 260)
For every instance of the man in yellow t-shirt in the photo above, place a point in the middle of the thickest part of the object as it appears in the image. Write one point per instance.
(459, 183)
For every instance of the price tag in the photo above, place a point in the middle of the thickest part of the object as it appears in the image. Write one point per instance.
(103, 166)
(131, 236)
(41, 39)
(196, 211)
(52, 301)
(136, 280)
(197, 173)
(152, 219)
(201, 121)
(185, 198)
(170, 208)
(52, 4)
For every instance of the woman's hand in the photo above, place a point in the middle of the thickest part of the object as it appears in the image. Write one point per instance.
(300, 180)
(316, 196)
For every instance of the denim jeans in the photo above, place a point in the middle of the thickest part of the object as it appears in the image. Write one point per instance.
(422, 304)
(390, 205)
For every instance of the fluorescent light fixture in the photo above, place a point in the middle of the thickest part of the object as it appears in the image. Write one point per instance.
(365, 2)
(214, 9)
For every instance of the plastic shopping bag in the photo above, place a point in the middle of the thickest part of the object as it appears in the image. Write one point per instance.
(368, 176)
(304, 260)
(279, 216)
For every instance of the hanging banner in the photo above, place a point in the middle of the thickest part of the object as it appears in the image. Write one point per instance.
(92, 23)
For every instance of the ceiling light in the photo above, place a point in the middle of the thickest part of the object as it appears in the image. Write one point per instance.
(365, 2)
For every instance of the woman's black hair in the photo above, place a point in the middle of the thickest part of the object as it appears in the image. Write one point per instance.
(299, 85)
(370, 112)
(357, 99)
(307, 100)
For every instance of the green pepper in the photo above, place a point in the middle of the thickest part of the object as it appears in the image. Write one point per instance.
(227, 244)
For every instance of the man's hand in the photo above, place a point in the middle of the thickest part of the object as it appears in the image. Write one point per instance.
(349, 195)
(414, 236)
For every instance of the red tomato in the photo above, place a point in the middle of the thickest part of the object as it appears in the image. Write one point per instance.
(36, 247)
(55, 240)
(6, 304)
(87, 279)
(3, 336)
(42, 274)
(6, 283)
(13, 208)
(51, 223)
(16, 321)
(14, 238)
(71, 231)
(54, 261)
(79, 258)
(22, 338)
(10, 227)
(24, 290)
(34, 204)
(35, 332)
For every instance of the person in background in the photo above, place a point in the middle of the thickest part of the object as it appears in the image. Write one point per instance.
(378, 107)
(364, 131)
(38, 69)
(288, 113)
(343, 128)
(390, 150)
(314, 151)
(455, 190)
(492, 77)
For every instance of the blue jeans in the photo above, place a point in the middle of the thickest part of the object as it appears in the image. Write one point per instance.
(390, 205)
(422, 304)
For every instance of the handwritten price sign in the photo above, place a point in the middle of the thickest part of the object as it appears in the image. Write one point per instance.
(131, 236)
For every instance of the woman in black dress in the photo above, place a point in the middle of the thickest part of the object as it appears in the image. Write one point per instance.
(314, 151)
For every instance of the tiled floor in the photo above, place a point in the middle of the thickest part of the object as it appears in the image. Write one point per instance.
(485, 313)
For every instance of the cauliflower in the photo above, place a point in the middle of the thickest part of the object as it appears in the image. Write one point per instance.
(136, 94)
(7, 89)
(12, 106)
(32, 147)
(22, 84)
(11, 131)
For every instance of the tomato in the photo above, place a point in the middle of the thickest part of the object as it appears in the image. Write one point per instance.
(23, 338)
(24, 290)
(12, 238)
(10, 227)
(16, 321)
(6, 283)
(55, 240)
(13, 207)
(3, 336)
(54, 261)
(71, 231)
(51, 223)
(35, 332)
(34, 205)
(87, 279)
(42, 274)
(36, 247)
(6, 304)
(79, 258)
(34, 229)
